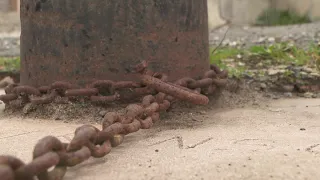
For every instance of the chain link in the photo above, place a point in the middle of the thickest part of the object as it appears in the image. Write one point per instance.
(89, 141)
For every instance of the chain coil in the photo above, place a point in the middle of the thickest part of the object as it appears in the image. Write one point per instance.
(89, 141)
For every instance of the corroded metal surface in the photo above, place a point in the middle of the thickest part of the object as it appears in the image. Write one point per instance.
(89, 141)
(101, 92)
(84, 40)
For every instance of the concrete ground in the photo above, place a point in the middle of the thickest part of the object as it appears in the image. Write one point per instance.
(279, 141)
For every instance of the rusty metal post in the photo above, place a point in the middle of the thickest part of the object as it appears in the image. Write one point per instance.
(84, 40)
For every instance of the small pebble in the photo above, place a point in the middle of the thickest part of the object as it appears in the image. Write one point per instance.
(288, 94)
(271, 39)
(261, 40)
(102, 113)
(308, 70)
(58, 118)
(314, 74)
(28, 108)
(233, 44)
(303, 74)
(281, 67)
(272, 72)
(260, 64)
(308, 95)
(302, 129)
(202, 112)
(287, 88)
(275, 97)
(263, 86)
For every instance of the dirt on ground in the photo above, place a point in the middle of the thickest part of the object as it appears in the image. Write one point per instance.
(236, 94)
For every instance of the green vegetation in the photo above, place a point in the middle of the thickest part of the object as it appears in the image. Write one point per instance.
(273, 17)
(9, 64)
(284, 53)
(238, 61)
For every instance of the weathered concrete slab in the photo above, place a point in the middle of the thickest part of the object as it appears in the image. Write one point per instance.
(251, 143)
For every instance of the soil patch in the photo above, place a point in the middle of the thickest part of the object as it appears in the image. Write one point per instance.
(236, 94)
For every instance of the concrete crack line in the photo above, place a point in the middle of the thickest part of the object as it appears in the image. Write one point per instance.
(264, 142)
(200, 143)
(178, 138)
(309, 149)
(160, 142)
(237, 141)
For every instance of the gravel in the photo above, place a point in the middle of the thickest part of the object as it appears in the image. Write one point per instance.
(301, 34)
(9, 34)
(9, 46)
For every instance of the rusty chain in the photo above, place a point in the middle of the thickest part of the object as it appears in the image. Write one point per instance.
(88, 141)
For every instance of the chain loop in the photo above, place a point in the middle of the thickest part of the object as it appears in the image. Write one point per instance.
(89, 141)
(174, 90)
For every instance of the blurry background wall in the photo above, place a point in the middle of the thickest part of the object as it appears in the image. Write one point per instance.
(241, 12)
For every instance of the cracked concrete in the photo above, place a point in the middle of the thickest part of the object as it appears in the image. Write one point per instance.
(280, 141)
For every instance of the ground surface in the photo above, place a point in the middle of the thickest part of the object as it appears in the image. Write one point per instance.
(277, 140)
(301, 34)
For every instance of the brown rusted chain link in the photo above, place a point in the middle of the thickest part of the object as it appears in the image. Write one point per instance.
(90, 141)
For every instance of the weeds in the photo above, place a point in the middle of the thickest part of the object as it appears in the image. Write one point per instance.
(9, 64)
(238, 61)
(273, 17)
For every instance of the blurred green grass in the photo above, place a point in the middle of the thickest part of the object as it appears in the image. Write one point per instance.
(264, 55)
(274, 17)
(10, 64)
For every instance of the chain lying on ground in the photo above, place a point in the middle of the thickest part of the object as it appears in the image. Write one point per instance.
(89, 141)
